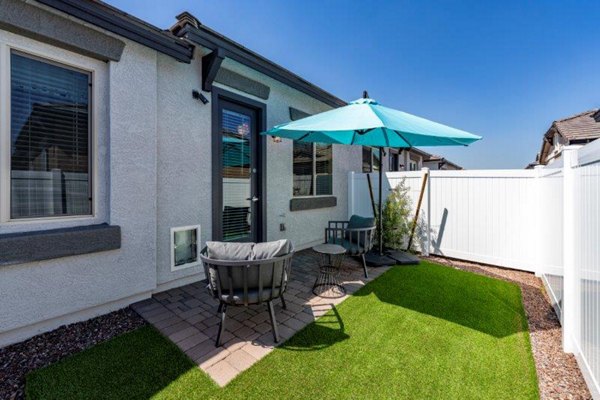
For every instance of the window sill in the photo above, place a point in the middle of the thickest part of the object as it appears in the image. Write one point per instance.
(312, 203)
(20, 248)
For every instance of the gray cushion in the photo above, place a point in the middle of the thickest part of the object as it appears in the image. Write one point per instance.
(232, 251)
(277, 248)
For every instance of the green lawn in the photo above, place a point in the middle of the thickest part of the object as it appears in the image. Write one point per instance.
(422, 332)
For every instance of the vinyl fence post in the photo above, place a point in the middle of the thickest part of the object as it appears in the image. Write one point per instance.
(571, 293)
(427, 245)
(539, 217)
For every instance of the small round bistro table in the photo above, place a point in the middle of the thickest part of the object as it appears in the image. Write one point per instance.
(327, 283)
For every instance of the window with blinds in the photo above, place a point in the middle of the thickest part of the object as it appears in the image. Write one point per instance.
(50, 139)
(312, 169)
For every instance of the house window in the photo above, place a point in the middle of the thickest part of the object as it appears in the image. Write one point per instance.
(413, 165)
(50, 137)
(370, 159)
(313, 169)
(394, 159)
(184, 247)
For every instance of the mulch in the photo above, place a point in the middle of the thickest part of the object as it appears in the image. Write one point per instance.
(17, 360)
(559, 376)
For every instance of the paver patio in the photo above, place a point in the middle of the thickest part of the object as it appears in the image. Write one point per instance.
(188, 316)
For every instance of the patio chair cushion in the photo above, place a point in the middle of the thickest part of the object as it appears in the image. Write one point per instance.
(356, 221)
(267, 250)
(232, 251)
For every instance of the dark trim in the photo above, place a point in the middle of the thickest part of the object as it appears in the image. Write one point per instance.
(296, 114)
(20, 248)
(242, 83)
(210, 66)
(39, 24)
(312, 203)
(125, 25)
(219, 95)
(212, 40)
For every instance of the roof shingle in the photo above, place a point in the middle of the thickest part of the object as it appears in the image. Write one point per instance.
(582, 126)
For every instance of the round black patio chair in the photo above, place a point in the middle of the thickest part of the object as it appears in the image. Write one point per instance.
(247, 282)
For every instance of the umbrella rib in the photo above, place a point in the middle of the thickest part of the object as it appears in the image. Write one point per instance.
(403, 138)
(303, 136)
(385, 134)
(353, 138)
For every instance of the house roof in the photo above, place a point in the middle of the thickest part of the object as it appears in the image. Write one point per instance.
(181, 45)
(428, 157)
(579, 128)
(582, 126)
(439, 159)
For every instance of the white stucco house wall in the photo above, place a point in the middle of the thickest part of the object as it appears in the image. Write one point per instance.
(149, 148)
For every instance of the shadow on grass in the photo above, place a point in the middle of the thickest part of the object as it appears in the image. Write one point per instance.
(481, 303)
(137, 365)
(326, 331)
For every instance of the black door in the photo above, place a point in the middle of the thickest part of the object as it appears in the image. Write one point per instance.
(238, 174)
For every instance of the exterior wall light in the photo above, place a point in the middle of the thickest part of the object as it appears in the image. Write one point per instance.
(199, 96)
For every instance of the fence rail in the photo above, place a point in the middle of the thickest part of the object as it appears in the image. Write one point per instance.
(545, 220)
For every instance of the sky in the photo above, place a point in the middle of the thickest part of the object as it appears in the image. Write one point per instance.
(503, 70)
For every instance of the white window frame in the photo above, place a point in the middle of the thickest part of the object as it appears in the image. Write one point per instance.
(172, 238)
(314, 172)
(43, 53)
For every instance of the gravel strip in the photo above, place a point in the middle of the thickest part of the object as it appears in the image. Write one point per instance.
(19, 359)
(558, 374)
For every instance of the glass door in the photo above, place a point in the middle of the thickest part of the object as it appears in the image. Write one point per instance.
(240, 194)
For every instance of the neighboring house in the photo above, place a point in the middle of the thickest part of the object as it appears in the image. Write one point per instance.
(577, 129)
(126, 147)
(414, 159)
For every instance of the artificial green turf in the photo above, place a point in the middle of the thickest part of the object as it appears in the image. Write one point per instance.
(420, 332)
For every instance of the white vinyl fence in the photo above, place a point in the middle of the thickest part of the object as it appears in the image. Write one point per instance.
(545, 220)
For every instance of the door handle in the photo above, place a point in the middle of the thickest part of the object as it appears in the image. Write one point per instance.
(253, 199)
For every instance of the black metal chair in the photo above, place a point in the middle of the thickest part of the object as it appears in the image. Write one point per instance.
(246, 282)
(355, 235)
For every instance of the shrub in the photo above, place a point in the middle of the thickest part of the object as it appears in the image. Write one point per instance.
(397, 217)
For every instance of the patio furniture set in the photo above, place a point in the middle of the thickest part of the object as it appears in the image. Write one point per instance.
(243, 274)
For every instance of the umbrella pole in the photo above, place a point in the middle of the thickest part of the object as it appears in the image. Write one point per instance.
(380, 201)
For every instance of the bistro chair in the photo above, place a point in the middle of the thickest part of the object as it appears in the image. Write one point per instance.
(241, 274)
(355, 235)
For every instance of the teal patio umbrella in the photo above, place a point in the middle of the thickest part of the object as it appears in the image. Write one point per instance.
(364, 122)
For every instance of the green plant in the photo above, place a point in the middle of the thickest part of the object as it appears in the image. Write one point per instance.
(397, 220)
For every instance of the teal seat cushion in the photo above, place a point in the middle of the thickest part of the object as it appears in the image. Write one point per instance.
(356, 222)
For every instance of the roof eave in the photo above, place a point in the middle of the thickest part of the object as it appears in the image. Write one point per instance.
(113, 20)
(212, 40)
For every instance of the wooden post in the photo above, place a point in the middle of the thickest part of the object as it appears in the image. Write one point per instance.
(414, 225)
(371, 194)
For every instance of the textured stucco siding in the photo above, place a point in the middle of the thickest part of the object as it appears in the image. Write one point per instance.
(303, 228)
(152, 173)
(184, 160)
(42, 295)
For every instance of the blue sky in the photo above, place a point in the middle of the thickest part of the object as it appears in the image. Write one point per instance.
(503, 70)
